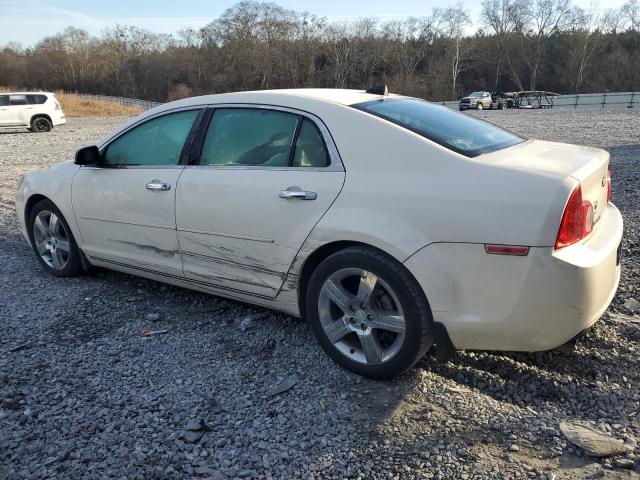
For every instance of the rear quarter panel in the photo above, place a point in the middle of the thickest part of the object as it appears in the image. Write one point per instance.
(403, 192)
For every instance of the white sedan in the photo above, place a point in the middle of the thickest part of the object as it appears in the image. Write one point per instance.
(388, 222)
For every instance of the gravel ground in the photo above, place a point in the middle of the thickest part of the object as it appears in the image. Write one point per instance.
(83, 395)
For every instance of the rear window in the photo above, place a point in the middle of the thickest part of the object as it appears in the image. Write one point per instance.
(456, 131)
(37, 99)
(4, 100)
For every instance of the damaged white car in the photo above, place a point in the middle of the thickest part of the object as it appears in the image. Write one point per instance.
(388, 222)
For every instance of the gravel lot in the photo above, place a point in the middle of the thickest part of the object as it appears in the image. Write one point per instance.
(83, 395)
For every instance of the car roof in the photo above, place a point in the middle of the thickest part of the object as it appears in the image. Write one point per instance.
(338, 96)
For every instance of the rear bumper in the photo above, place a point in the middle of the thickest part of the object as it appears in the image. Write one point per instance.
(58, 120)
(532, 303)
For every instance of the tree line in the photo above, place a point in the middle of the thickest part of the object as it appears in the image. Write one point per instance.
(515, 45)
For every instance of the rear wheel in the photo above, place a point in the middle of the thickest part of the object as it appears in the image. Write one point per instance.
(41, 125)
(52, 241)
(368, 313)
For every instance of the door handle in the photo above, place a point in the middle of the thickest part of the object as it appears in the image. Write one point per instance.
(158, 185)
(296, 192)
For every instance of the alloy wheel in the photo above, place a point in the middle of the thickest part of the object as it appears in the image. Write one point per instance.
(361, 316)
(51, 239)
(41, 125)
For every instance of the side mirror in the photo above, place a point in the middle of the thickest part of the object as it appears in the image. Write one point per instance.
(88, 156)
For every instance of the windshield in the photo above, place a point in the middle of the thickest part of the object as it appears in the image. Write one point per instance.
(456, 131)
(476, 94)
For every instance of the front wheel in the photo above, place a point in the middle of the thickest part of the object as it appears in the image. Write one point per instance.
(368, 313)
(479, 106)
(52, 241)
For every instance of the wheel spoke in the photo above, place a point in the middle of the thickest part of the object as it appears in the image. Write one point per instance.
(371, 346)
(42, 226)
(62, 245)
(368, 282)
(388, 321)
(42, 249)
(54, 224)
(56, 260)
(336, 331)
(338, 295)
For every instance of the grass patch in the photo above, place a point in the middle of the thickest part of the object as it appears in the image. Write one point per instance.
(75, 106)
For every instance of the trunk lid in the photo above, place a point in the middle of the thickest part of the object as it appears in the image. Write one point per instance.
(587, 165)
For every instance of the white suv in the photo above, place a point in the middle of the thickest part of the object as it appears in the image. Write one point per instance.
(37, 111)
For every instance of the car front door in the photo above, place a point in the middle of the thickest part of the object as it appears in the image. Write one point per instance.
(264, 178)
(125, 207)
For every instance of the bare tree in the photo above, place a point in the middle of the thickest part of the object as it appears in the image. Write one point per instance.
(455, 20)
(543, 19)
(631, 14)
(505, 19)
(594, 23)
(255, 45)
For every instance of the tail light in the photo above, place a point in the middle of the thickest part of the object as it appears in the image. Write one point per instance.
(609, 184)
(57, 105)
(577, 220)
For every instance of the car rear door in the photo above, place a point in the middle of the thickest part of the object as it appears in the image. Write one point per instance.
(18, 111)
(264, 178)
(125, 208)
(4, 110)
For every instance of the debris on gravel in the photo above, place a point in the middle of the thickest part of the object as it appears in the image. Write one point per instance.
(83, 396)
(283, 386)
(632, 305)
(593, 442)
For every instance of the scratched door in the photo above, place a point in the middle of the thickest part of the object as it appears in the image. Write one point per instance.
(265, 179)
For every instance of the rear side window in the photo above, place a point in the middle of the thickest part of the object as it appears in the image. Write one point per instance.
(310, 148)
(4, 100)
(249, 136)
(36, 99)
(454, 130)
(18, 99)
(156, 142)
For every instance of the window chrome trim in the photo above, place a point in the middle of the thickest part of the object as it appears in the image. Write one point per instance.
(336, 164)
(146, 119)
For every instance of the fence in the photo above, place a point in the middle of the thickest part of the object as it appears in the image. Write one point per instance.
(579, 101)
(599, 100)
(585, 101)
(146, 104)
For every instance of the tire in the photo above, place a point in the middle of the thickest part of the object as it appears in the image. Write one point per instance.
(368, 313)
(501, 106)
(52, 241)
(479, 106)
(41, 124)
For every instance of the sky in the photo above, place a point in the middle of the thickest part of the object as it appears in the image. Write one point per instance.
(28, 21)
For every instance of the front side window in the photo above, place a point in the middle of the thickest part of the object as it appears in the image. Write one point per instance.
(249, 136)
(456, 131)
(4, 100)
(18, 99)
(156, 142)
